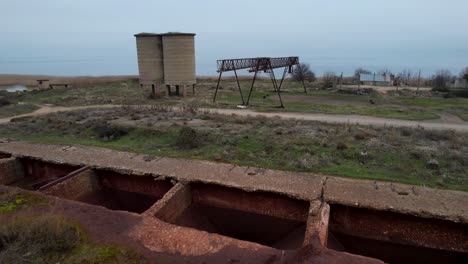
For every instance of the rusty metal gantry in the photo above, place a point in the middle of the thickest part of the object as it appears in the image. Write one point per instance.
(256, 65)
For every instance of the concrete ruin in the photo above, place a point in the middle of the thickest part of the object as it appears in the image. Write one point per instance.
(168, 60)
(207, 212)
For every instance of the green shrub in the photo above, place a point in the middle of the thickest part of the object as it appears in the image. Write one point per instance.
(36, 239)
(106, 131)
(4, 102)
(187, 138)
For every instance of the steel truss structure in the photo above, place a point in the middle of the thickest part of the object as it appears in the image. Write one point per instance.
(257, 65)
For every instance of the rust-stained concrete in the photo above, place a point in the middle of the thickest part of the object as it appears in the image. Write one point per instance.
(172, 205)
(10, 170)
(161, 242)
(74, 187)
(400, 198)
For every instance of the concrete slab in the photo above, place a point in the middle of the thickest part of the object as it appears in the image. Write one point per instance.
(399, 198)
(295, 185)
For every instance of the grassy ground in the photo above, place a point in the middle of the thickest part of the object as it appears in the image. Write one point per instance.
(414, 156)
(406, 113)
(318, 101)
(50, 238)
(262, 99)
(16, 109)
(108, 93)
(455, 106)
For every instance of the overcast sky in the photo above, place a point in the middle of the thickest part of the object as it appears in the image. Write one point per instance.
(84, 37)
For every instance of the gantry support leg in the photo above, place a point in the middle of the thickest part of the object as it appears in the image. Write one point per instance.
(238, 85)
(275, 85)
(303, 84)
(217, 86)
(282, 78)
(253, 82)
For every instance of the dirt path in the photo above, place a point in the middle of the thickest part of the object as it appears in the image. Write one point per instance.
(354, 119)
(43, 110)
(441, 124)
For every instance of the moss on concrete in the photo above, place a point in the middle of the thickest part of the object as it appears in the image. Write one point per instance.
(11, 201)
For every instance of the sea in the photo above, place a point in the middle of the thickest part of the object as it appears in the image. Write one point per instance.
(125, 63)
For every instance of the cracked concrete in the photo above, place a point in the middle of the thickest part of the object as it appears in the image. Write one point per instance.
(385, 196)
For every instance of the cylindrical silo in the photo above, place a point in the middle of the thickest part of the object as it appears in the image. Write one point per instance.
(150, 58)
(179, 58)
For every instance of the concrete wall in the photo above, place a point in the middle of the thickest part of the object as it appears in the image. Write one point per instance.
(75, 187)
(150, 60)
(179, 59)
(10, 171)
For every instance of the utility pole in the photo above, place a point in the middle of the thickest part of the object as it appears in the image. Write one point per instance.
(359, 81)
(419, 81)
(341, 81)
(466, 80)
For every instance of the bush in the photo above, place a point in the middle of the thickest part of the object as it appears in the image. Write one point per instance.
(406, 132)
(460, 93)
(303, 73)
(437, 135)
(108, 131)
(190, 108)
(440, 80)
(328, 79)
(4, 102)
(187, 138)
(35, 239)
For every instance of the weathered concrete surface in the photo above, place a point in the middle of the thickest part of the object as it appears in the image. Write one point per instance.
(405, 199)
(143, 185)
(74, 187)
(264, 203)
(399, 198)
(317, 224)
(10, 170)
(173, 204)
(302, 186)
(400, 229)
(161, 242)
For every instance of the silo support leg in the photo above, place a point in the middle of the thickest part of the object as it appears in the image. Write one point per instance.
(169, 90)
(158, 90)
(184, 91)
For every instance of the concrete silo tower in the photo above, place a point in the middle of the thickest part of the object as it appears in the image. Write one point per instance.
(167, 59)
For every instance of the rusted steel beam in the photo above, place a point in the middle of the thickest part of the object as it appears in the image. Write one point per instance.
(256, 64)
